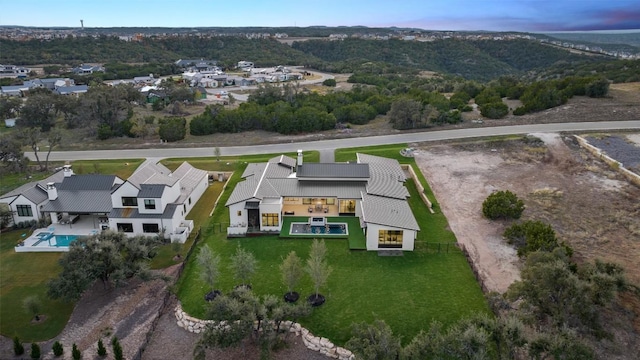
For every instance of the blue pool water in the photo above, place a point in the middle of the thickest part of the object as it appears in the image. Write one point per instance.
(330, 229)
(47, 238)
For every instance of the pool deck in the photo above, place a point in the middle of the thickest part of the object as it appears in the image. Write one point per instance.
(355, 236)
(36, 243)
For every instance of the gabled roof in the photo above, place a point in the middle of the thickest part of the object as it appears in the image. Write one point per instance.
(189, 177)
(63, 90)
(83, 194)
(152, 174)
(388, 212)
(333, 170)
(387, 177)
(255, 185)
(151, 191)
(35, 191)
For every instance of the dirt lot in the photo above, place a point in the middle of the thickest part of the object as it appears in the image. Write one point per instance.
(590, 206)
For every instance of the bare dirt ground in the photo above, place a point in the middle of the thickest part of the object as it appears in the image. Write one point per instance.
(590, 206)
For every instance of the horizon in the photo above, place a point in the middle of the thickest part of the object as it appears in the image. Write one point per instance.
(534, 16)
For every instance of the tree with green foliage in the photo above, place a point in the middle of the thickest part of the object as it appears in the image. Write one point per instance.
(406, 113)
(110, 256)
(597, 88)
(11, 155)
(102, 351)
(317, 268)
(502, 205)
(35, 351)
(374, 341)
(38, 112)
(9, 107)
(172, 128)
(117, 349)
(533, 235)
(292, 271)
(209, 263)
(18, 348)
(243, 265)
(33, 305)
(329, 82)
(75, 352)
(494, 110)
(57, 348)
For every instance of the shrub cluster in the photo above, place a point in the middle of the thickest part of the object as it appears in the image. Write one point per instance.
(502, 205)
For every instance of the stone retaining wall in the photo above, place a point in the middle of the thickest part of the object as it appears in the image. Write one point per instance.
(315, 343)
(419, 186)
(615, 164)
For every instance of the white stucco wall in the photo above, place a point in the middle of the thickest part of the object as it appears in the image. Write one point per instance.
(197, 193)
(408, 237)
(21, 200)
(234, 218)
(125, 190)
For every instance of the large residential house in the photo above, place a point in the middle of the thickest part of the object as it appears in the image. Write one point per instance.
(153, 200)
(371, 189)
(85, 69)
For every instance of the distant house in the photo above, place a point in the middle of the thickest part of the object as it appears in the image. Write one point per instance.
(14, 90)
(72, 90)
(371, 189)
(153, 200)
(245, 65)
(144, 80)
(12, 71)
(185, 63)
(200, 92)
(155, 95)
(10, 122)
(85, 69)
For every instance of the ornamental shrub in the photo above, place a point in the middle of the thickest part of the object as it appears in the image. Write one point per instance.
(35, 351)
(502, 205)
(75, 352)
(57, 349)
(18, 349)
(102, 351)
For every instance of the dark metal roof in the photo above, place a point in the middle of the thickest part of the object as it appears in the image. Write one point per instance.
(86, 201)
(151, 191)
(333, 170)
(133, 213)
(252, 205)
(86, 182)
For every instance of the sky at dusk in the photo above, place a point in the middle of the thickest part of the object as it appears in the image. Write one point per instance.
(492, 15)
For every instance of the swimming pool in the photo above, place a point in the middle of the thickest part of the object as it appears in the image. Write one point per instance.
(49, 239)
(328, 229)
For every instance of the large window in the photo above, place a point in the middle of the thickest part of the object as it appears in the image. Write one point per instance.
(125, 227)
(149, 204)
(151, 228)
(390, 238)
(24, 210)
(129, 201)
(270, 219)
(347, 206)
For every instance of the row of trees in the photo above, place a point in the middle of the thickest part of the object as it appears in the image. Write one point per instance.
(241, 314)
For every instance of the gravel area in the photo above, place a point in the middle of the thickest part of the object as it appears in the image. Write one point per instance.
(618, 148)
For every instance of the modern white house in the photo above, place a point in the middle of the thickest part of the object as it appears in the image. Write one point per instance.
(371, 189)
(152, 201)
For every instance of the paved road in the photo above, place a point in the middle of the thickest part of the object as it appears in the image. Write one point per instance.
(340, 143)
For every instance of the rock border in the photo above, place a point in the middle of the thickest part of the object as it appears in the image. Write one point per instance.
(322, 345)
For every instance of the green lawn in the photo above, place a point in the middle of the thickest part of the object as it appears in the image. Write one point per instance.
(407, 292)
(23, 275)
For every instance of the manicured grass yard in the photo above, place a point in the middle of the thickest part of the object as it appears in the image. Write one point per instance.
(23, 275)
(407, 292)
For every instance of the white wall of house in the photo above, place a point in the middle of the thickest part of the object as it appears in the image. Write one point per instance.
(238, 214)
(125, 190)
(197, 192)
(275, 207)
(23, 201)
(408, 237)
(137, 225)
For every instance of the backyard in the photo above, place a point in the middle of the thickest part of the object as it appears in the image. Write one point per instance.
(408, 292)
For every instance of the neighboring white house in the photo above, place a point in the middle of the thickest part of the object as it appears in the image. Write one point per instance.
(371, 189)
(153, 200)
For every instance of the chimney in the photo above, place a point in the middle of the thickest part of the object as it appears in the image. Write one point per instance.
(299, 158)
(67, 170)
(52, 192)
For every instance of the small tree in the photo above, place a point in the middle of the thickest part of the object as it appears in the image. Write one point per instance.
(57, 349)
(243, 265)
(318, 269)
(176, 246)
(216, 152)
(117, 349)
(502, 205)
(530, 236)
(35, 351)
(375, 341)
(18, 348)
(329, 82)
(102, 351)
(33, 305)
(75, 352)
(209, 264)
(291, 269)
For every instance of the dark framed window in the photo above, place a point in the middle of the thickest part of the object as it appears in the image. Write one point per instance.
(24, 210)
(129, 201)
(189, 201)
(150, 228)
(390, 238)
(149, 204)
(125, 227)
(270, 219)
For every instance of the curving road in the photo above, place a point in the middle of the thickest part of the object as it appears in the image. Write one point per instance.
(160, 153)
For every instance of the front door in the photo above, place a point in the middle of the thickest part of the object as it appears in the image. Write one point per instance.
(253, 217)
